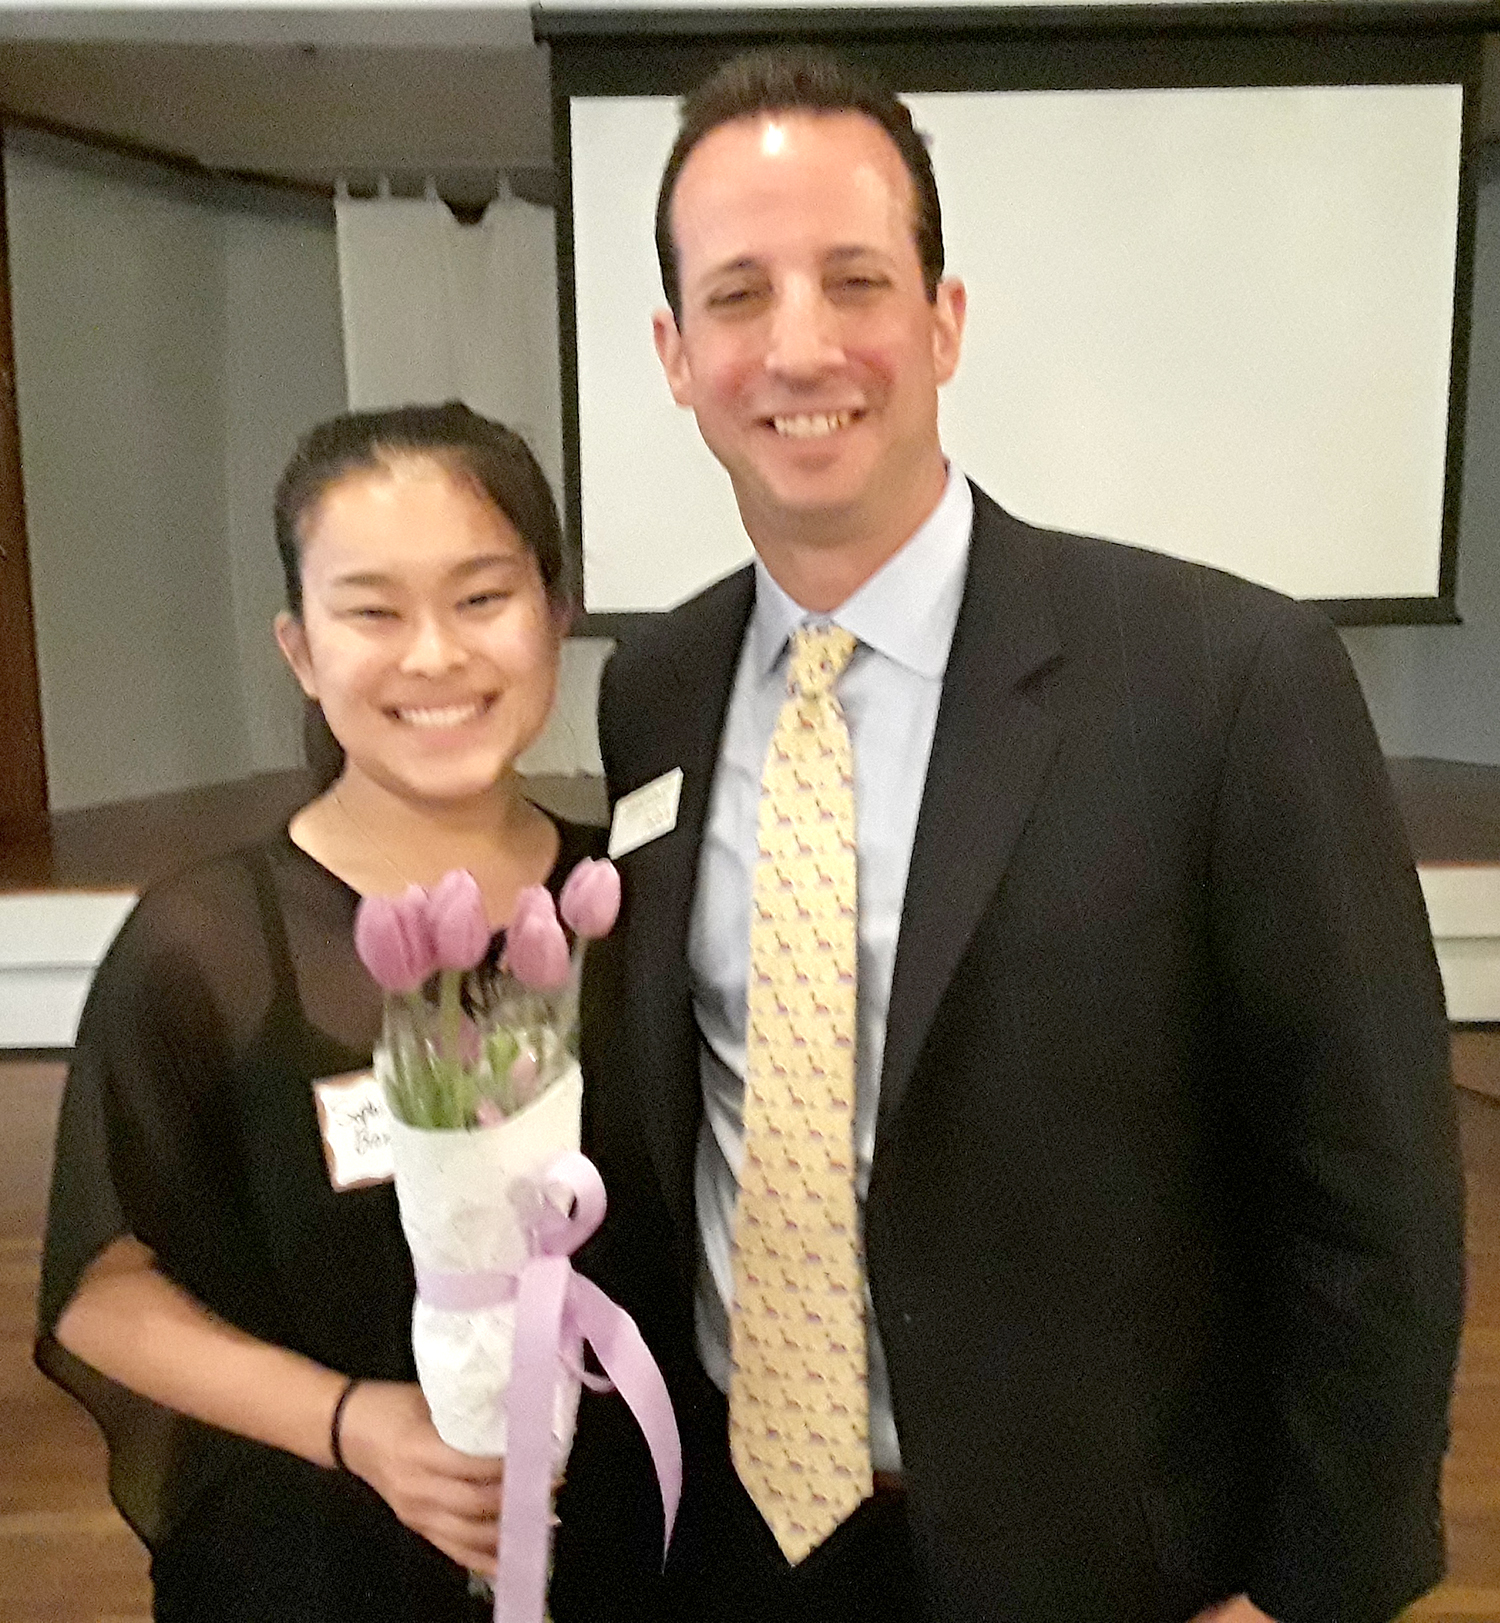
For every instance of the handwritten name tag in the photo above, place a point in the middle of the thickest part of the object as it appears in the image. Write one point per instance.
(355, 1122)
(645, 814)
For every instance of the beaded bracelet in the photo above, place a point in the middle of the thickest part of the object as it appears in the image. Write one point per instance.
(336, 1425)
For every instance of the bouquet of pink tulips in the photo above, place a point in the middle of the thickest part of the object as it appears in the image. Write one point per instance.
(478, 1066)
(466, 1045)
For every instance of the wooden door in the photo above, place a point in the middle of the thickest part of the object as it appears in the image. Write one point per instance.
(23, 773)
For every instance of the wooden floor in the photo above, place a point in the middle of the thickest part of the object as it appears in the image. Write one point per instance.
(1471, 1479)
(65, 1556)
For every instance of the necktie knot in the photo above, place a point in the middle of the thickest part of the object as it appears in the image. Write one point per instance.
(819, 655)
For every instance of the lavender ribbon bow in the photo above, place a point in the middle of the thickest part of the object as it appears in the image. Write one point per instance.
(557, 1310)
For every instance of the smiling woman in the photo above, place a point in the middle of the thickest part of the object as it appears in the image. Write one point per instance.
(426, 625)
(237, 1321)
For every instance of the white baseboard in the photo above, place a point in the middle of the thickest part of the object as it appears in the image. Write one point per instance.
(51, 943)
(1463, 906)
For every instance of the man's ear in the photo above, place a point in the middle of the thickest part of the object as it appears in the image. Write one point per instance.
(948, 311)
(669, 351)
(291, 639)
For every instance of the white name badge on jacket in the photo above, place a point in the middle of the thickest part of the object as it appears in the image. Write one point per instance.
(645, 814)
(355, 1122)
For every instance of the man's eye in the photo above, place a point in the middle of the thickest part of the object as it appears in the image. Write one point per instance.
(734, 298)
(859, 284)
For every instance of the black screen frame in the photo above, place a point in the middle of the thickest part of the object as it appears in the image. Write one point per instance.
(654, 52)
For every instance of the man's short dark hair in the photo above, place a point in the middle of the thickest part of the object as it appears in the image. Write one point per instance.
(805, 80)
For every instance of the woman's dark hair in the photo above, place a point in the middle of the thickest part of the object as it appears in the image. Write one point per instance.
(798, 79)
(497, 460)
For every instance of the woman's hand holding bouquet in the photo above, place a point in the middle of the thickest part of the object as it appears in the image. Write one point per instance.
(452, 1499)
(478, 1065)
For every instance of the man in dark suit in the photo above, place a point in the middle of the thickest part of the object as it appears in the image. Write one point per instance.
(1153, 1139)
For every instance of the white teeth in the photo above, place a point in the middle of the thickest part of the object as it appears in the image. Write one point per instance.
(811, 425)
(453, 715)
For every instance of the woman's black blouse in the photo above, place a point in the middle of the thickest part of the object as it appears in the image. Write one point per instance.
(189, 1122)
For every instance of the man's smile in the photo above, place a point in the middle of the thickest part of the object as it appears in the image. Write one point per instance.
(813, 424)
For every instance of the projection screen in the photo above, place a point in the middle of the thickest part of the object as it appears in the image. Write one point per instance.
(1216, 320)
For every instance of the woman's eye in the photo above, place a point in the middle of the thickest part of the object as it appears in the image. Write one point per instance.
(481, 600)
(372, 611)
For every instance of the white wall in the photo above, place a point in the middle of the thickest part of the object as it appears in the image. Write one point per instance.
(570, 743)
(284, 371)
(168, 352)
(118, 296)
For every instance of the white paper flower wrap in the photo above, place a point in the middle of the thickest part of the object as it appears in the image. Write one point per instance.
(468, 1200)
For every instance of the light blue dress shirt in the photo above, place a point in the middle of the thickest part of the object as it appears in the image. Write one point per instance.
(903, 617)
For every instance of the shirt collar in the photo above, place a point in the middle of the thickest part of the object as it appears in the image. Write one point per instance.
(906, 610)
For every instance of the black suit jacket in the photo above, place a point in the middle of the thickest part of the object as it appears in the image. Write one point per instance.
(1164, 1221)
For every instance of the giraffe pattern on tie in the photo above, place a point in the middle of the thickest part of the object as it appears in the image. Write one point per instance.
(798, 1395)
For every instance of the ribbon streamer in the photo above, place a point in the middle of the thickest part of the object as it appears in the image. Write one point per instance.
(557, 1310)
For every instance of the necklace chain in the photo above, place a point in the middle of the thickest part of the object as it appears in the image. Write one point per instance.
(369, 839)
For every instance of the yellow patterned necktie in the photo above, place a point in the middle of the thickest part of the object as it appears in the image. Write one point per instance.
(798, 1396)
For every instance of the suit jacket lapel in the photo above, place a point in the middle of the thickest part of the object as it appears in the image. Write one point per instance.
(662, 876)
(990, 753)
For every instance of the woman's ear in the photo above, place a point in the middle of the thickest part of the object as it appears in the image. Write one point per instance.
(291, 639)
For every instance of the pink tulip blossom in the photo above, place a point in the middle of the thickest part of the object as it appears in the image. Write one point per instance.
(590, 901)
(460, 929)
(488, 1114)
(536, 950)
(532, 899)
(393, 937)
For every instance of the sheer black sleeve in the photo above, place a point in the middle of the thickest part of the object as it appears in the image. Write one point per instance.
(140, 1150)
